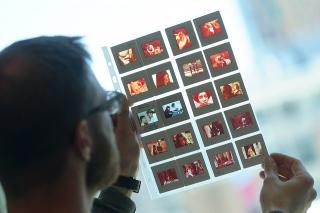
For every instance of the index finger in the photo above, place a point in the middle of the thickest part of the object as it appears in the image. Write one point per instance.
(123, 118)
(288, 166)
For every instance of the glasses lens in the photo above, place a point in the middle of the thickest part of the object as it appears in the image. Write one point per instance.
(113, 100)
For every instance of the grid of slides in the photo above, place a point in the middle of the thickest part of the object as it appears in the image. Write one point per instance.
(225, 136)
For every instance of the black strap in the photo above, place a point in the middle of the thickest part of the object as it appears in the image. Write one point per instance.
(128, 183)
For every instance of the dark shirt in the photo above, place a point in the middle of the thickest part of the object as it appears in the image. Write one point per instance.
(112, 201)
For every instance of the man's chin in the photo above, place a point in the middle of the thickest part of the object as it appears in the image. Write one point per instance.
(101, 177)
(115, 164)
(104, 183)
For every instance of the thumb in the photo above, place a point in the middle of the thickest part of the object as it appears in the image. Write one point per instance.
(270, 167)
(123, 116)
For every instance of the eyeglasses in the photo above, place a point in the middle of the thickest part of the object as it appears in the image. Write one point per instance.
(111, 104)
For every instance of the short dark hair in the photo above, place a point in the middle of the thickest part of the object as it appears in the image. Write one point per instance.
(150, 111)
(44, 92)
(141, 117)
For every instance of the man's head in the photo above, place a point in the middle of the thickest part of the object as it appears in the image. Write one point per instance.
(46, 91)
(226, 91)
(150, 112)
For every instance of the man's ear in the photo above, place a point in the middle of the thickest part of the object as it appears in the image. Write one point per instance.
(82, 140)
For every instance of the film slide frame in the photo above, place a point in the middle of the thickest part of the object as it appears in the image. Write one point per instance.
(144, 108)
(156, 71)
(186, 128)
(213, 38)
(192, 159)
(148, 39)
(223, 48)
(254, 160)
(235, 166)
(135, 77)
(233, 99)
(189, 59)
(160, 155)
(169, 186)
(187, 32)
(123, 47)
(244, 128)
(210, 107)
(208, 141)
(175, 117)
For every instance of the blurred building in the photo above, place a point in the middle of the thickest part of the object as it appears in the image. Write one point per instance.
(287, 50)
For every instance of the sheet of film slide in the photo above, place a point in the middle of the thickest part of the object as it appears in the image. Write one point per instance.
(191, 106)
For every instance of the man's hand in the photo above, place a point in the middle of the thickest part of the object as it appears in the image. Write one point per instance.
(287, 185)
(127, 141)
